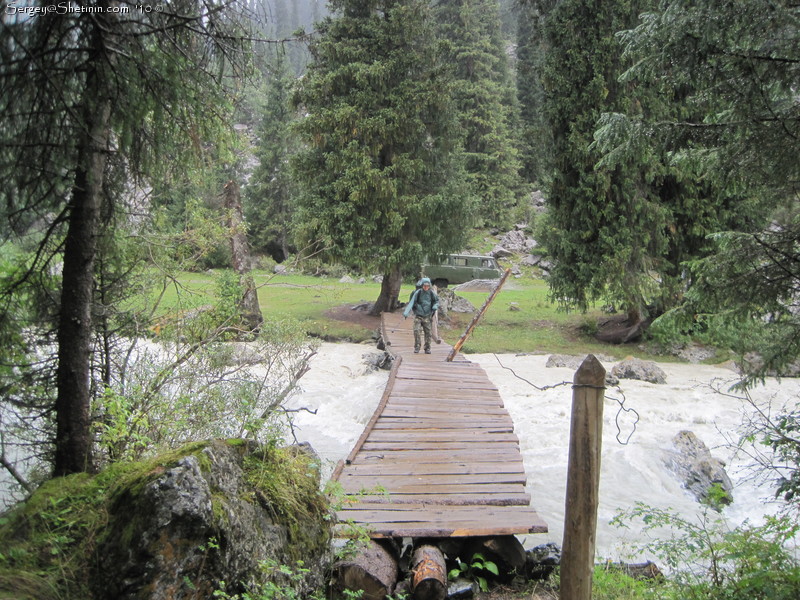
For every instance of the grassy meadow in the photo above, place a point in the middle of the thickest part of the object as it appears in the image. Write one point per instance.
(521, 318)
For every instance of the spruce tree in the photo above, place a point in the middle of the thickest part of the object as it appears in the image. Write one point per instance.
(486, 103)
(728, 117)
(535, 136)
(270, 192)
(604, 229)
(381, 168)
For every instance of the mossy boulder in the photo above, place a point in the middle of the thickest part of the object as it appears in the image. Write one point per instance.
(176, 527)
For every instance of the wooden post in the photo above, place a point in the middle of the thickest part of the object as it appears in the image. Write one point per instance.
(477, 317)
(583, 481)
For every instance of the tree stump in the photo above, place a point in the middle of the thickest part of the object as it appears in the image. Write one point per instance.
(429, 581)
(373, 569)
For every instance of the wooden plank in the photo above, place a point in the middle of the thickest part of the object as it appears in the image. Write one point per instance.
(425, 389)
(470, 379)
(456, 499)
(411, 410)
(460, 468)
(412, 436)
(419, 457)
(416, 455)
(450, 521)
(476, 445)
(435, 398)
(495, 489)
(464, 423)
(441, 431)
(416, 422)
(398, 482)
(458, 407)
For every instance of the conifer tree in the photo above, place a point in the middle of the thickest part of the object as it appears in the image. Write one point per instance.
(535, 137)
(729, 119)
(381, 170)
(604, 229)
(486, 103)
(623, 218)
(87, 101)
(270, 191)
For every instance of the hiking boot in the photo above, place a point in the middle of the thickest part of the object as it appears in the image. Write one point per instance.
(427, 351)
(416, 350)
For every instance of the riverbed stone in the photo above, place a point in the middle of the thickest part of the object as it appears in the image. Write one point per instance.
(642, 370)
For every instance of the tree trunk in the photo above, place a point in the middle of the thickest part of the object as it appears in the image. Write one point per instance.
(73, 444)
(388, 300)
(249, 309)
(634, 315)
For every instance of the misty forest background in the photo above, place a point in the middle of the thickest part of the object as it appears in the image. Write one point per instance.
(362, 136)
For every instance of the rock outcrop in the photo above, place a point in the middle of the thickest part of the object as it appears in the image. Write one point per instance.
(450, 302)
(228, 515)
(180, 530)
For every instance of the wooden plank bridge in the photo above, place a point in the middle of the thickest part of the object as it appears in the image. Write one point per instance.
(439, 458)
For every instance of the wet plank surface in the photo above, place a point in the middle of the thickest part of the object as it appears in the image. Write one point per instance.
(439, 458)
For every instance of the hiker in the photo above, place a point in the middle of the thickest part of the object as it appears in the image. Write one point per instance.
(424, 303)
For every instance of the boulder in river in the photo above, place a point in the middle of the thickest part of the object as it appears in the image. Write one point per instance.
(700, 473)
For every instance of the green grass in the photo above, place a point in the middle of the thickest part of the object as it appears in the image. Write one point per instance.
(300, 297)
(538, 326)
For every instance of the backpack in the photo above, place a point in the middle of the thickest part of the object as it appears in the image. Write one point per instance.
(411, 295)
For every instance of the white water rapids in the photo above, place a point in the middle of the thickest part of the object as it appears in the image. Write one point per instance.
(345, 396)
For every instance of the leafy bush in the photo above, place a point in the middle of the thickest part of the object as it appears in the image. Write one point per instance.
(167, 393)
(709, 561)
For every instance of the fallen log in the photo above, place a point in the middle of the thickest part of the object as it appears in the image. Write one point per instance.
(429, 581)
(373, 569)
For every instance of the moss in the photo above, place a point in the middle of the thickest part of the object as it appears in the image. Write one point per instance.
(288, 480)
(219, 504)
(47, 540)
(136, 476)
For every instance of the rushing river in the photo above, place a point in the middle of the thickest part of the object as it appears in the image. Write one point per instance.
(344, 393)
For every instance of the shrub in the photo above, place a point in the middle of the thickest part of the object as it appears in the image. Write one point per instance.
(709, 561)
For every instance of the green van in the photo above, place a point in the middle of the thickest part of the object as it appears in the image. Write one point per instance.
(460, 268)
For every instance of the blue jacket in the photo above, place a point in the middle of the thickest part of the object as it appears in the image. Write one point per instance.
(422, 303)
